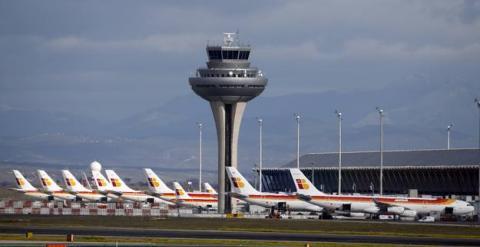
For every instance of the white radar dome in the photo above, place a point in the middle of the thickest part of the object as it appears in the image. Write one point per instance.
(96, 166)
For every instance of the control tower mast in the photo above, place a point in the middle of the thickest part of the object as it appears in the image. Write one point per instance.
(228, 83)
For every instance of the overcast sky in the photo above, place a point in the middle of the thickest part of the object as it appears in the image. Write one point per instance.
(111, 59)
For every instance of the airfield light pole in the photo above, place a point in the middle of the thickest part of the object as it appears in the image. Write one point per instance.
(477, 103)
(339, 116)
(200, 127)
(380, 112)
(297, 117)
(260, 151)
(449, 129)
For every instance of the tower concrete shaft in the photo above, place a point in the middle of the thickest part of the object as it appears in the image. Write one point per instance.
(228, 118)
(228, 83)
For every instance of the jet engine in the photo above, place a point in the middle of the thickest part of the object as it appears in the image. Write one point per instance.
(396, 210)
(409, 213)
(372, 210)
(402, 211)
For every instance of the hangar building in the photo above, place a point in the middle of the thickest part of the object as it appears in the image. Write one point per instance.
(431, 172)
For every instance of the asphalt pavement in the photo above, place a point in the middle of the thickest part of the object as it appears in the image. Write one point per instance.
(266, 236)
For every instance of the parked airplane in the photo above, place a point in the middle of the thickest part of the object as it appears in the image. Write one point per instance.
(27, 189)
(102, 185)
(53, 189)
(184, 199)
(242, 189)
(160, 189)
(209, 189)
(120, 187)
(403, 206)
(79, 190)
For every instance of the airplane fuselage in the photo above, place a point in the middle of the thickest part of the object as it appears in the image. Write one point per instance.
(92, 196)
(62, 195)
(397, 205)
(198, 202)
(273, 200)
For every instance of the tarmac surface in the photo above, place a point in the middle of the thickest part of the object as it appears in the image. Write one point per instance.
(266, 236)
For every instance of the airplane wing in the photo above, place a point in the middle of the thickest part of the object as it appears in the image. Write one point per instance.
(238, 195)
(383, 206)
(117, 193)
(303, 197)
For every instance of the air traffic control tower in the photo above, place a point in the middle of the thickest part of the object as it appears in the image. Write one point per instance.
(228, 83)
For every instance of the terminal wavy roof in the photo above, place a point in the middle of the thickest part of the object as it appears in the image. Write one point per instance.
(418, 158)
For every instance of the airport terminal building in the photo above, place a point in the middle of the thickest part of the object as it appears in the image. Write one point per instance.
(453, 172)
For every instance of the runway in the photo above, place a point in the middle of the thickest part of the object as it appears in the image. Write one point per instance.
(266, 236)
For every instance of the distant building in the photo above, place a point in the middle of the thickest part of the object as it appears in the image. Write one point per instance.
(431, 172)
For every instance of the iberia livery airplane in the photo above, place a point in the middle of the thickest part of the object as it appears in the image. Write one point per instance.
(79, 190)
(25, 187)
(160, 189)
(403, 206)
(209, 189)
(242, 189)
(184, 199)
(128, 193)
(53, 189)
(102, 185)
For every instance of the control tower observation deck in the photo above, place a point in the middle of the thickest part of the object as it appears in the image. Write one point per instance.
(228, 83)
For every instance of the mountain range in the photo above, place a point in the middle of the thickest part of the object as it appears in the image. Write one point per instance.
(417, 112)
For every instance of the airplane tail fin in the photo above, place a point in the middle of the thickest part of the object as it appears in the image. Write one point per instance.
(155, 184)
(100, 181)
(303, 185)
(47, 182)
(23, 183)
(209, 189)
(180, 192)
(72, 183)
(116, 182)
(238, 183)
(86, 181)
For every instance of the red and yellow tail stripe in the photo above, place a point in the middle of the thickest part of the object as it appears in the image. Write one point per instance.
(70, 181)
(154, 182)
(115, 182)
(46, 182)
(302, 184)
(238, 182)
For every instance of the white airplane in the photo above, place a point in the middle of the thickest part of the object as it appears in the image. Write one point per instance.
(209, 189)
(242, 190)
(402, 206)
(26, 188)
(103, 186)
(53, 189)
(184, 199)
(160, 189)
(121, 188)
(79, 190)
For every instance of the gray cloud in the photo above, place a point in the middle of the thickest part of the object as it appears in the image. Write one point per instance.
(128, 56)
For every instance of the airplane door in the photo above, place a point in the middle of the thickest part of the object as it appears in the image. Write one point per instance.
(448, 210)
(282, 206)
(346, 207)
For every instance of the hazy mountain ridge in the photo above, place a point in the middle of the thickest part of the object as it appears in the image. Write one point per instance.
(417, 112)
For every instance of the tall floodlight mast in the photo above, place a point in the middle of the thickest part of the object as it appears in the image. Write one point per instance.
(477, 103)
(339, 116)
(381, 114)
(260, 151)
(200, 126)
(297, 118)
(449, 129)
(228, 83)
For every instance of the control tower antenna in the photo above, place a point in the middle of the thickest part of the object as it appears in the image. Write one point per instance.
(228, 83)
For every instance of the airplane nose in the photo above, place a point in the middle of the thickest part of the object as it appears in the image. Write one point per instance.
(470, 209)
